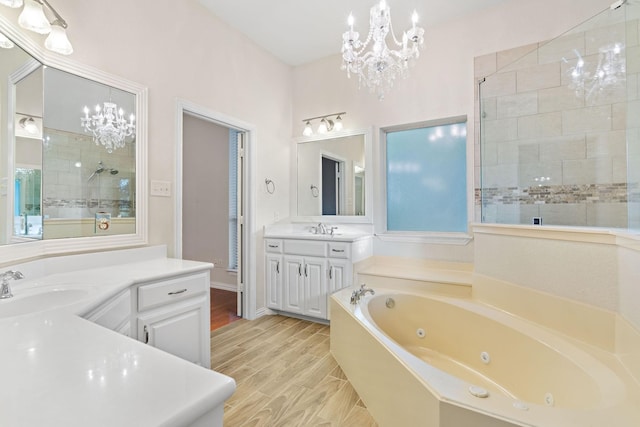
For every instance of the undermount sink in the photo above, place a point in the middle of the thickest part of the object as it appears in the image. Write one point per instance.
(43, 298)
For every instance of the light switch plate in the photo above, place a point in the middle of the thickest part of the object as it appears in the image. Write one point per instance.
(160, 188)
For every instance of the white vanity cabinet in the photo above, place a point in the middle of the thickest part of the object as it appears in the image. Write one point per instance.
(173, 315)
(301, 274)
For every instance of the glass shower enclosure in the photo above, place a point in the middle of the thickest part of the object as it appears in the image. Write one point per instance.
(560, 127)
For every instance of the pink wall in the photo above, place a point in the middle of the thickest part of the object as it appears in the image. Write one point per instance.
(441, 84)
(180, 50)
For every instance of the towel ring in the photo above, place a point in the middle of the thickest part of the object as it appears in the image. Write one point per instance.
(271, 186)
(314, 191)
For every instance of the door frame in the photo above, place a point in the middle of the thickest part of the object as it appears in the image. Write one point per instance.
(249, 196)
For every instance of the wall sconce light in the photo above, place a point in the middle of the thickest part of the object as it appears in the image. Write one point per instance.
(327, 124)
(33, 18)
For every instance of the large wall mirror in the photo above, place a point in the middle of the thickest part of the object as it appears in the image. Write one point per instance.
(333, 178)
(72, 154)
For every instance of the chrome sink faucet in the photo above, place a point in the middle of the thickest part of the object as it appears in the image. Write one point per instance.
(360, 293)
(6, 289)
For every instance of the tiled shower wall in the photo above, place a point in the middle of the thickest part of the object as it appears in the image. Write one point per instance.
(550, 149)
(69, 160)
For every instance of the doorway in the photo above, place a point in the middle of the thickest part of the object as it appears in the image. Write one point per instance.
(211, 200)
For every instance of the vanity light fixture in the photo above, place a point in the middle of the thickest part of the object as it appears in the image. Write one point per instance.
(108, 126)
(327, 124)
(378, 67)
(33, 18)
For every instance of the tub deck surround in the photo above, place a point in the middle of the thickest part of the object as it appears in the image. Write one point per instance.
(68, 371)
(440, 277)
(560, 381)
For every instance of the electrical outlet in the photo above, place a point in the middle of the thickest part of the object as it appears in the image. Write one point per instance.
(161, 188)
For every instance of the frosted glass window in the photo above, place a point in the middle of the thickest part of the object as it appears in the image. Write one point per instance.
(427, 179)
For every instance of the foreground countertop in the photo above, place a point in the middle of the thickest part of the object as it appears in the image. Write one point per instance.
(61, 370)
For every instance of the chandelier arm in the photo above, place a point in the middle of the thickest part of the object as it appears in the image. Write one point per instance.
(393, 35)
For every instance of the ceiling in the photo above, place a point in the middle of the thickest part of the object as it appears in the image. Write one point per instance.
(301, 31)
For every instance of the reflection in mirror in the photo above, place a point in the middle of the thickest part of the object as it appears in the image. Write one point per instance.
(331, 177)
(89, 177)
(20, 145)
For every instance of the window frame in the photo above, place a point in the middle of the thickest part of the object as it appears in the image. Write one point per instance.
(453, 237)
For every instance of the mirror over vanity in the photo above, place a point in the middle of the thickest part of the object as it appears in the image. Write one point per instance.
(332, 177)
(72, 154)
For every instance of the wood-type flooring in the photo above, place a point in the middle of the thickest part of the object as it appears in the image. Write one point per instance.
(285, 375)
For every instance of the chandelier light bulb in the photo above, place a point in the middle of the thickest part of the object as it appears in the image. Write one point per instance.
(11, 3)
(350, 20)
(414, 18)
(383, 5)
(33, 18)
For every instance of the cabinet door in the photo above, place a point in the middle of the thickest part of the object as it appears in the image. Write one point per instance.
(339, 274)
(274, 281)
(293, 285)
(178, 329)
(315, 289)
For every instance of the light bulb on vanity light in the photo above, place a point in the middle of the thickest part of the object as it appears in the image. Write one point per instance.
(322, 127)
(337, 124)
(57, 41)
(33, 18)
(5, 43)
(307, 129)
(11, 3)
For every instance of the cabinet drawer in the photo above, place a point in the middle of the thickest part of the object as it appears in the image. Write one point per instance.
(305, 248)
(169, 291)
(339, 250)
(273, 246)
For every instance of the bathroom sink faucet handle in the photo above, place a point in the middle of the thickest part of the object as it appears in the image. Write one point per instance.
(5, 292)
(332, 229)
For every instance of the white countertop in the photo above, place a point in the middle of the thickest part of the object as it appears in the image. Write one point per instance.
(342, 233)
(61, 370)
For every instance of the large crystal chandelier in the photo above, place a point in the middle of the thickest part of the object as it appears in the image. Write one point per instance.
(595, 79)
(378, 67)
(108, 126)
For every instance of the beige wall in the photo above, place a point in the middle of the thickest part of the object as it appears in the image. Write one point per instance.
(205, 201)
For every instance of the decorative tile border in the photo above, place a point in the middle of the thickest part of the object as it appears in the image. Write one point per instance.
(559, 194)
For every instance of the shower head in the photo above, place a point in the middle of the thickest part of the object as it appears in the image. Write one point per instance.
(98, 170)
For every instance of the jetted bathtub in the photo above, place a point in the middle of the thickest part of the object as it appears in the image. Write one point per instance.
(434, 360)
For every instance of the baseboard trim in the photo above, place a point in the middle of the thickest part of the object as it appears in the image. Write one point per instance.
(223, 286)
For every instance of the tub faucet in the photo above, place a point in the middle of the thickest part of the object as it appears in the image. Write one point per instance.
(6, 289)
(359, 293)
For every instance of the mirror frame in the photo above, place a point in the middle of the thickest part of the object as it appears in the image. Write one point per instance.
(368, 191)
(42, 248)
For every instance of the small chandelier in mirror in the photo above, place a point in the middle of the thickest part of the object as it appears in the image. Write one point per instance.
(108, 126)
(378, 67)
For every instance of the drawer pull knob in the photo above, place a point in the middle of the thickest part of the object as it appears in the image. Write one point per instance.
(178, 292)
(337, 250)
